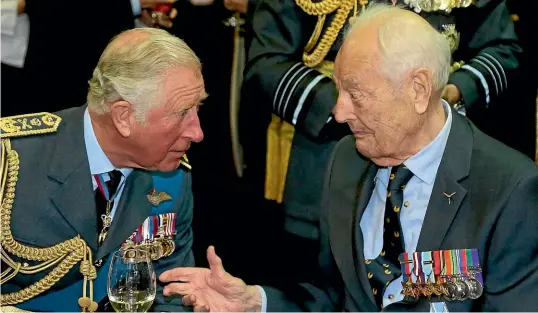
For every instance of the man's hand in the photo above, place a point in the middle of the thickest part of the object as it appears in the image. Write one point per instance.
(158, 19)
(237, 5)
(451, 94)
(211, 289)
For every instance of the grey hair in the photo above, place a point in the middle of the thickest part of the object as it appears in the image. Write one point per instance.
(405, 47)
(133, 71)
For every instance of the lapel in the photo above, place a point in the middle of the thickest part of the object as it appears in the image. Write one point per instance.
(132, 211)
(454, 167)
(70, 168)
(348, 203)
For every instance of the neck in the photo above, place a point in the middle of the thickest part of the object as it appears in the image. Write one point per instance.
(108, 138)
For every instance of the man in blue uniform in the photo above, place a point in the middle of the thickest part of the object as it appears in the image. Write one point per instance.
(81, 183)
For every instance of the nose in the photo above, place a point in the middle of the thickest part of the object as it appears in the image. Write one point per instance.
(194, 130)
(343, 110)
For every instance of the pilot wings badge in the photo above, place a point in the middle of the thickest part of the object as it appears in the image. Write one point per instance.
(156, 198)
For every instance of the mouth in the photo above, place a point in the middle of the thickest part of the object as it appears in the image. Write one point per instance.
(360, 133)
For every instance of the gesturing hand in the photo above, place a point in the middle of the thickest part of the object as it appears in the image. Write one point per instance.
(211, 289)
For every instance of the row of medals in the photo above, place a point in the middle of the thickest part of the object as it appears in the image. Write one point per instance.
(157, 248)
(457, 288)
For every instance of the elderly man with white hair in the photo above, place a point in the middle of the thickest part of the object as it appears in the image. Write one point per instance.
(79, 184)
(430, 214)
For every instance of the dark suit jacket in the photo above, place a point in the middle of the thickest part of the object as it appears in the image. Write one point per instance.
(54, 202)
(495, 210)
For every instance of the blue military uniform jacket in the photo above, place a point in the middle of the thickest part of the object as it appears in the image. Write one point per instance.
(48, 206)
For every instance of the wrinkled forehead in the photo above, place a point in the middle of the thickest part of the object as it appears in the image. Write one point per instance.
(355, 60)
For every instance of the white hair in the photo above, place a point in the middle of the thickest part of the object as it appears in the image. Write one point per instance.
(407, 44)
(133, 70)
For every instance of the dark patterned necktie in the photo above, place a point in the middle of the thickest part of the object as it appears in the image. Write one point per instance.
(101, 202)
(386, 267)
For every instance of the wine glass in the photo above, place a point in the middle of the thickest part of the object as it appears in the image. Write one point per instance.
(131, 281)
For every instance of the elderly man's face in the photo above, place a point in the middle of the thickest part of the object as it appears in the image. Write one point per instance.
(379, 116)
(170, 128)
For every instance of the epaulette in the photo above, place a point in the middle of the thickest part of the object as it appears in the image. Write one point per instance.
(185, 162)
(29, 124)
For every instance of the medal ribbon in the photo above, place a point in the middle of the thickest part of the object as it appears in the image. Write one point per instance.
(407, 266)
(417, 266)
(463, 264)
(438, 266)
(447, 259)
(101, 185)
(477, 272)
(427, 266)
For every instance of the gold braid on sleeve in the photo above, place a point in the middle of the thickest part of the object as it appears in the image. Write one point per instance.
(64, 255)
(321, 9)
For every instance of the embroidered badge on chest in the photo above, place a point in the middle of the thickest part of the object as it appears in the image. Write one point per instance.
(156, 198)
(155, 235)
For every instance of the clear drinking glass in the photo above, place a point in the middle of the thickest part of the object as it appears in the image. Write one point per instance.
(131, 281)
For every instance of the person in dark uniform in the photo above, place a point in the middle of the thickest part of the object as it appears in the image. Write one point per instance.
(84, 182)
(288, 86)
(422, 211)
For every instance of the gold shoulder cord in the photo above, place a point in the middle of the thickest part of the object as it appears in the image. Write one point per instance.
(65, 254)
(321, 10)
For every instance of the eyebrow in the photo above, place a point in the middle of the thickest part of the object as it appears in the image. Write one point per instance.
(350, 81)
(202, 97)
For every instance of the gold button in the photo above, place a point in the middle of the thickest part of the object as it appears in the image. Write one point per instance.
(368, 261)
(386, 265)
(392, 176)
(374, 291)
(388, 220)
(382, 253)
(389, 194)
(370, 275)
(406, 204)
(396, 209)
(396, 234)
(391, 297)
(388, 272)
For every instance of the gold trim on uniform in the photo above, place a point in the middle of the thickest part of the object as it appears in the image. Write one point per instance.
(63, 256)
(438, 5)
(185, 162)
(29, 124)
(452, 35)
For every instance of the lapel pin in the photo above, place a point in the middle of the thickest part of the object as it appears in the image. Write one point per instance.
(449, 196)
(156, 198)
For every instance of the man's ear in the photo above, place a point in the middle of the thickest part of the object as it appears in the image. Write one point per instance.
(120, 112)
(423, 89)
